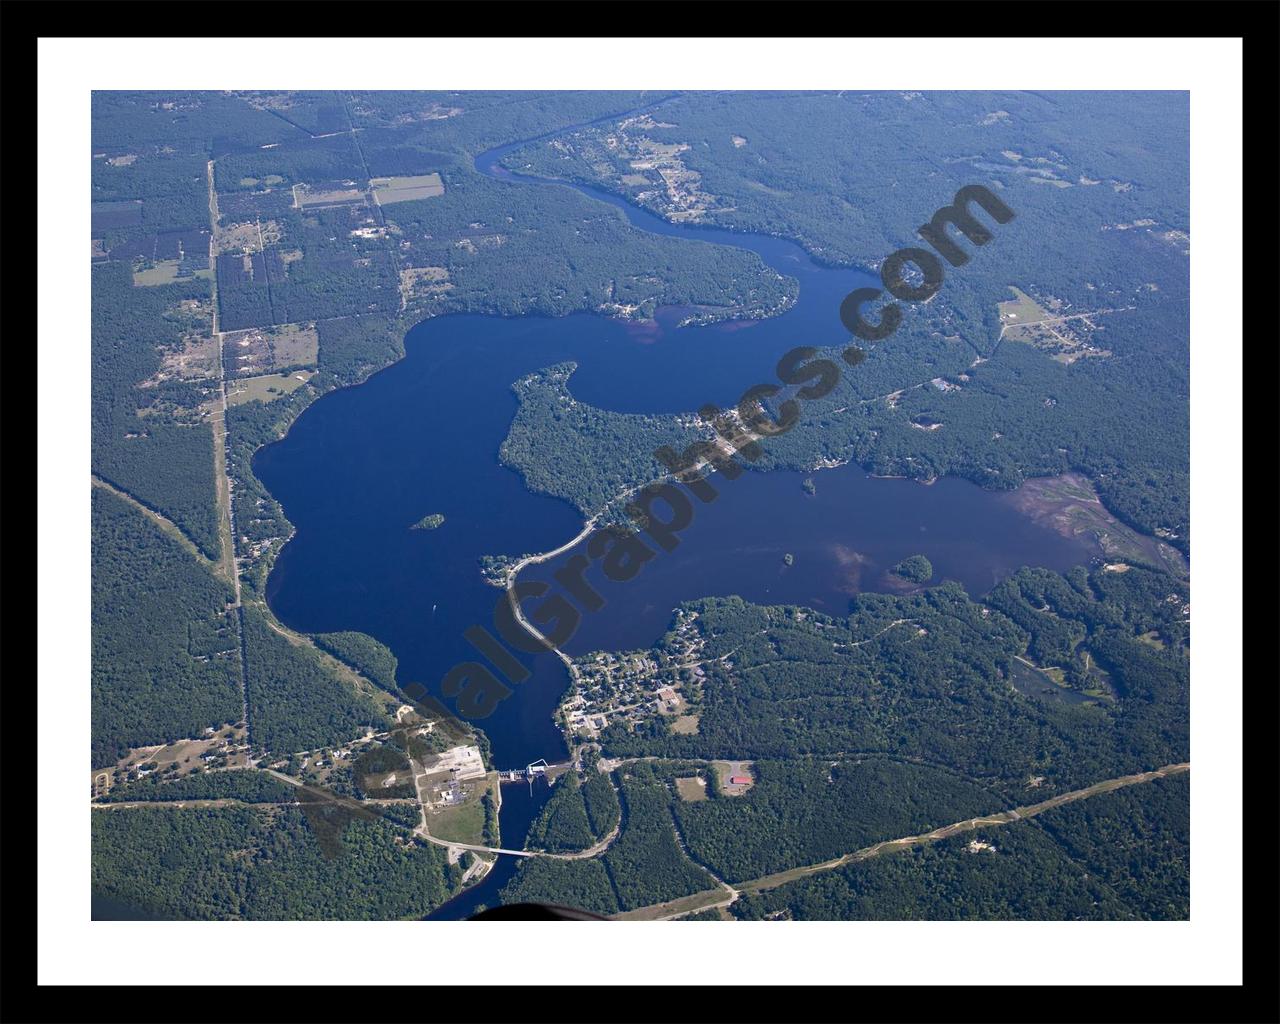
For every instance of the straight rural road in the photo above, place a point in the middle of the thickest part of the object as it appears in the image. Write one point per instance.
(702, 901)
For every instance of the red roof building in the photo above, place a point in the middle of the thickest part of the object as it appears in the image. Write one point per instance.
(739, 780)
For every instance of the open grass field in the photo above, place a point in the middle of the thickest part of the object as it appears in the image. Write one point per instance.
(1022, 309)
(400, 190)
(266, 388)
(464, 823)
(1063, 336)
(691, 789)
(684, 905)
(164, 272)
(294, 345)
(306, 198)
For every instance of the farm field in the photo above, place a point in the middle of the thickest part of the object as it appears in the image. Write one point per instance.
(266, 388)
(166, 272)
(400, 190)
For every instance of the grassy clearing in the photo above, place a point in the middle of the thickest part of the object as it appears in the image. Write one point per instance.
(692, 789)
(1022, 309)
(403, 189)
(294, 345)
(164, 272)
(684, 905)
(306, 199)
(465, 822)
(266, 388)
(226, 566)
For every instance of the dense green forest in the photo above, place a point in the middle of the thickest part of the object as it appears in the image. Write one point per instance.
(646, 862)
(353, 347)
(1117, 856)
(577, 815)
(295, 700)
(644, 865)
(917, 569)
(601, 800)
(562, 826)
(1137, 841)
(165, 663)
(589, 456)
(804, 812)
(319, 271)
(364, 653)
(250, 786)
(792, 173)
(582, 884)
(230, 863)
(511, 249)
(935, 686)
(152, 442)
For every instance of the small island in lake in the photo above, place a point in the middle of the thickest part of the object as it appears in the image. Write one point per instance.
(917, 569)
(789, 558)
(810, 488)
(431, 522)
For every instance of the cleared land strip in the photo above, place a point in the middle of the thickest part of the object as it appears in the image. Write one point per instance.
(226, 564)
(1063, 319)
(183, 804)
(218, 408)
(719, 897)
(167, 525)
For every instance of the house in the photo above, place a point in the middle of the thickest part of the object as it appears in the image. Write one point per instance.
(739, 780)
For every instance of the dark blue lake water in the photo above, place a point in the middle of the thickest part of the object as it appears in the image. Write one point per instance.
(362, 465)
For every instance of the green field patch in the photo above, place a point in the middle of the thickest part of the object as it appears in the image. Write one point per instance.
(293, 345)
(266, 388)
(1152, 639)
(1022, 309)
(165, 272)
(400, 190)
(306, 198)
(464, 822)
(692, 789)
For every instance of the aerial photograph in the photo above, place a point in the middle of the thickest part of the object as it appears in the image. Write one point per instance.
(645, 505)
